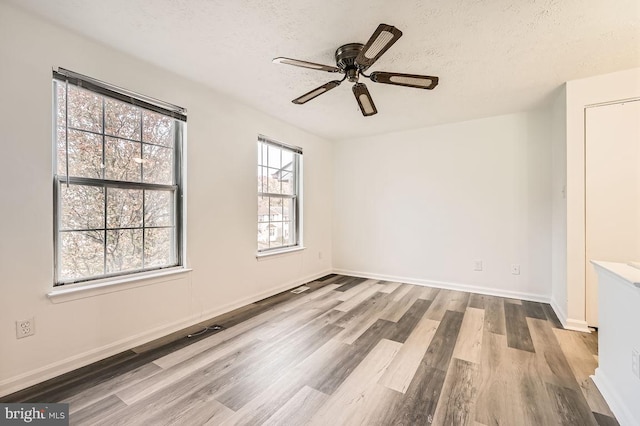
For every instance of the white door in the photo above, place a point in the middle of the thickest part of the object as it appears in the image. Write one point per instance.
(612, 185)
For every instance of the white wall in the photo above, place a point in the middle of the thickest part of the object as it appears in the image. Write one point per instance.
(559, 204)
(580, 94)
(420, 206)
(221, 211)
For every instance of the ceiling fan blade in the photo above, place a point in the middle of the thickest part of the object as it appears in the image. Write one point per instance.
(305, 64)
(364, 100)
(381, 40)
(316, 92)
(408, 80)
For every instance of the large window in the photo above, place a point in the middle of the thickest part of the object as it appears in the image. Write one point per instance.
(279, 186)
(117, 183)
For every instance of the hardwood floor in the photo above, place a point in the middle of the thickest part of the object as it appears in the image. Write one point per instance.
(350, 351)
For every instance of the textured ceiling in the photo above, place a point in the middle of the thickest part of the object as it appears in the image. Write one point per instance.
(492, 57)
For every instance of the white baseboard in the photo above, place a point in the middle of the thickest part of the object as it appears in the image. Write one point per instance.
(470, 288)
(247, 300)
(576, 325)
(30, 378)
(569, 323)
(616, 404)
(560, 313)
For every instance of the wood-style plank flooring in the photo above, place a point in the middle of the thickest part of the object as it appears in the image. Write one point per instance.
(350, 351)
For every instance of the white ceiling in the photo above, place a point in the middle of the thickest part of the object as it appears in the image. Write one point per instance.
(492, 57)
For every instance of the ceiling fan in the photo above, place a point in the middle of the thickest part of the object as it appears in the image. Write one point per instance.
(353, 59)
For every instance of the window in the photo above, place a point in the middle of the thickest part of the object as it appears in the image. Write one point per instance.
(279, 209)
(117, 180)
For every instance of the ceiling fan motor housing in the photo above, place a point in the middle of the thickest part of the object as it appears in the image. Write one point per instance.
(346, 56)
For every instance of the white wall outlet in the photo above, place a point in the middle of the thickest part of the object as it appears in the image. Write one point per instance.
(320, 255)
(25, 328)
(635, 362)
(477, 265)
(515, 269)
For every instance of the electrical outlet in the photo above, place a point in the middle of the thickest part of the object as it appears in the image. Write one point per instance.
(635, 362)
(477, 265)
(25, 328)
(515, 269)
(319, 255)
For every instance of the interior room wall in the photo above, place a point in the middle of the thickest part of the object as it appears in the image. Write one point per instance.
(580, 94)
(421, 206)
(221, 209)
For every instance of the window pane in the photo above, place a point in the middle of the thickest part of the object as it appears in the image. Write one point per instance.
(124, 250)
(264, 148)
(275, 234)
(121, 119)
(81, 254)
(263, 209)
(287, 209)
(157, 164)
(158, 129)
(61, 147)
(262, 179)
(158, 247)
(158, 208)
(287, 182)
(61, 112)
(273, 157)
(82, 207)
(124, 208)
(85, 154)
(273, 180)
(263, 236)
(288, 234)
(287, 176)
(122, 160)
(85, 109)
(275, 209)
(287, 159)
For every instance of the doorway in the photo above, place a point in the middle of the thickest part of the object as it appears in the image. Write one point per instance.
(612, 190)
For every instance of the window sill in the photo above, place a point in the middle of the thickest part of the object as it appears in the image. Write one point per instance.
(69, 292)
(272, 253)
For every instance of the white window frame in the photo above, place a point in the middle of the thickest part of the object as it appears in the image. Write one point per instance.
(296, 197)
(106, 90)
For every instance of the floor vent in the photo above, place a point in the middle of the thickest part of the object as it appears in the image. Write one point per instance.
(299, 289)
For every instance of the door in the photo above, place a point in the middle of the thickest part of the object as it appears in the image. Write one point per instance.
(612, 190)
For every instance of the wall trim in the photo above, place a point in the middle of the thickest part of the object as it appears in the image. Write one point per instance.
(470, 288)
(560, 313)
(569, 323)
(576, 325)
(39, 375)
(616, 404)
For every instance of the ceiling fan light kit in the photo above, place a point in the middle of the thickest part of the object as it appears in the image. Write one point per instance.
(352, 60)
